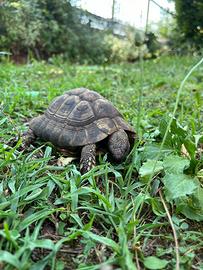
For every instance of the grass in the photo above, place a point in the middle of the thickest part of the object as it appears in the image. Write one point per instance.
(51, 217)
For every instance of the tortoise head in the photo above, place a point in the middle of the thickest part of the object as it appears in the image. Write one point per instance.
(119, 145)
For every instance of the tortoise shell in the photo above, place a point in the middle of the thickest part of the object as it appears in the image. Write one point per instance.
(78, 117)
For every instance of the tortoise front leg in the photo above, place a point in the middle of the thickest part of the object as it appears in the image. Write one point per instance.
(88, 158)
(28, 138)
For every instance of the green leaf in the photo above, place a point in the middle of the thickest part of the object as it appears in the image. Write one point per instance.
(3, 120)
(46, 244)
(198, 138)
(40, 265)
(103, 240)
(190, 147)
(77, 219)
(126, 256)
(60, 265)
(199, 198)
(138, 201)
(33, 194)
(175, 164)
(35, 217)
(7, 257)
(192, 213)
(150, 151)
(162, 128)
(74, 194)
(192, 207)
(178, 185)
(25, 190)
(177, 129)
(47, 152)
(157, 207)
(155, 263)
(87, 190)
(150, 167)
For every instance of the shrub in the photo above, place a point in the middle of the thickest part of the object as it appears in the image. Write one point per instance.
(49, 27)
(190, 20)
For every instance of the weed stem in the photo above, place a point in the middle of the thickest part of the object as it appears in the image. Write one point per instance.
(174, 232)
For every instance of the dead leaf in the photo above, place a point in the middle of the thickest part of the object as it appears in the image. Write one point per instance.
(64, 161)
(184, 151)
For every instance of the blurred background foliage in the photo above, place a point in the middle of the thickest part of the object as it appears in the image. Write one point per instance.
(190, 21)
(47, 28)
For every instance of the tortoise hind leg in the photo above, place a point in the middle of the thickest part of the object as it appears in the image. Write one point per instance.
(88, 158)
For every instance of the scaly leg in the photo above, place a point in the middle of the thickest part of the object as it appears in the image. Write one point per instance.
(88, 158)
(28, 138)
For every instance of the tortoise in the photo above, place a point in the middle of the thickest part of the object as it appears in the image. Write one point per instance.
(80, 120)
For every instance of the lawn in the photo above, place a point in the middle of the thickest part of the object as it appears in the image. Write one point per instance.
(145, 213)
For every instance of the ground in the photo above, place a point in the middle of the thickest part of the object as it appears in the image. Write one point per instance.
(120, 215)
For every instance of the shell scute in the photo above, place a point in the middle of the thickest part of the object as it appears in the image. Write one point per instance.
(104, 109)
(55, 105)
(82, 112)
(90, 96)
